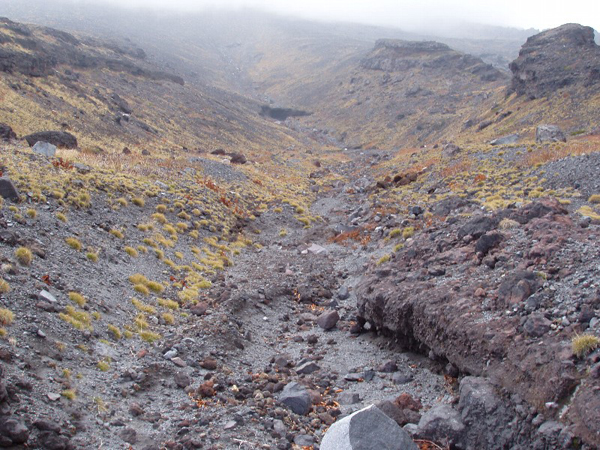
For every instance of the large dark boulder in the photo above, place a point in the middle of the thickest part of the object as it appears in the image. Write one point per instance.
(8, 189)
(6, 132)
(61, 139)
(555, 59)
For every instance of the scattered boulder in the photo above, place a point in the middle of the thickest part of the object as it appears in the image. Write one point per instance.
(449, 205)
(367, 429)
(449, 150)
(328, 320)
(441, 423)
(487, 242)
(209, 364)
(60, 139)
(182, 380)
(517, 288)
(388, 367)
(538, 209)
(537, 325)
(44, 148)
(476, 227)
(218, 152)
(8, 189)
(401, 416)
(343, 293)
(505, 140)
(307, 368)
(126, 151)
(6, 133)
(238, 158)
(129, 435)
(296, 397)
(549, 133)
(348, 398)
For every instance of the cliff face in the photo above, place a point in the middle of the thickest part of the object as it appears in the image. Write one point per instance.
(563, 57)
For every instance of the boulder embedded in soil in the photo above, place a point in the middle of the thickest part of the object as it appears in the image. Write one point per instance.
(44, 148)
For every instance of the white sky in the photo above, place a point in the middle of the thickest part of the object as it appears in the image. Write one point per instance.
(540, 14)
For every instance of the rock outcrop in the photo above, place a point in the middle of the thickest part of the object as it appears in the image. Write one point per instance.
(562, 57)
(392, 55)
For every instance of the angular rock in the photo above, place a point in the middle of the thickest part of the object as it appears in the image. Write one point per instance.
(388, 367)
(52, 441)
(60, 139)
(44, 148)
(367, 429)
(517, 287)
(47, 296)
(406, 401)
(295, 397)
(182, 380)
(401, 378)
(487, 242)
(397, 414)
(450, 150)
(348, 398)
(549, 133)
(129, 435)
(506, 140)
(476, 227)
(441, 423)
(8, 189)
(307, 368)
(328, 319)
(537, 325)
(316, 249)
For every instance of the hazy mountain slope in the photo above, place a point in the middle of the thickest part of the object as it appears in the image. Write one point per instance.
(112, 97)
(201, 42)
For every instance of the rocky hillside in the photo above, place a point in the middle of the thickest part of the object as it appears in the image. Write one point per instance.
(406, 93)
(113, 98)
(242, 277)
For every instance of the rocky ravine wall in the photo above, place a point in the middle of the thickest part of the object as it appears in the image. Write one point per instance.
(501, 296)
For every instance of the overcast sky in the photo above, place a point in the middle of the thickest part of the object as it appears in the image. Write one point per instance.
(540, 14)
